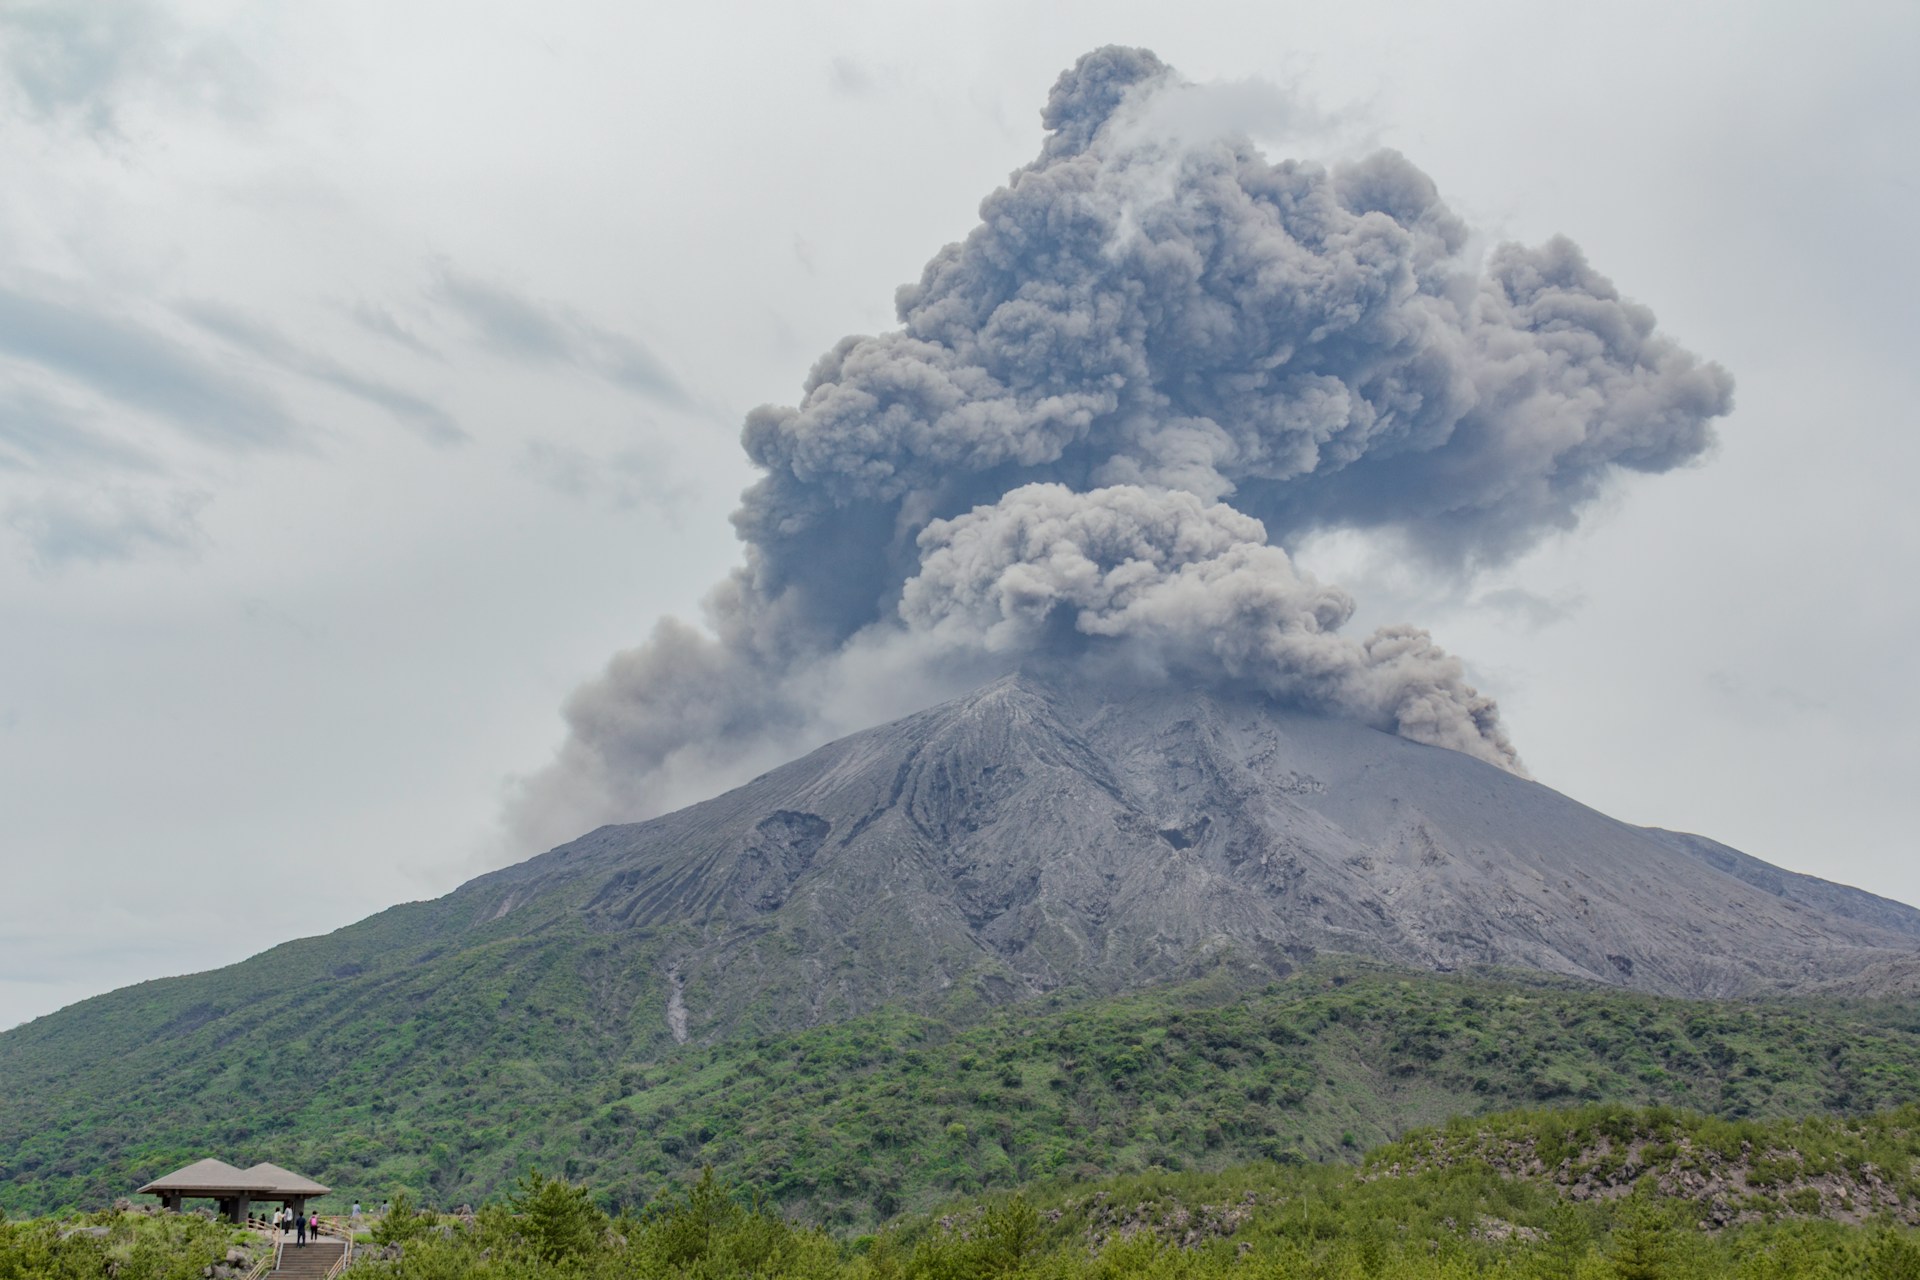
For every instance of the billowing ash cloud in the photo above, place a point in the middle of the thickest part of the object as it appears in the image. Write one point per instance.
(1145, 326)
(1197, 590)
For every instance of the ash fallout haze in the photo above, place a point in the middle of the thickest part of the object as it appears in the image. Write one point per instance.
(373, 380)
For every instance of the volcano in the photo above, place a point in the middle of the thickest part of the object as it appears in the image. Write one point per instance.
(1044, 834)
(1044, 846)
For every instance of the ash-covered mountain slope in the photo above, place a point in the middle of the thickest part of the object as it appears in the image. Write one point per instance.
(1823, 895)
(1038, 835)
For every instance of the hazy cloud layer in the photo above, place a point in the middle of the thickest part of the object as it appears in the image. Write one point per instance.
(72, 59)
(261, 339)
(625, 479)
(527, 330)
(1150, 320)
(84, 62)
(143, 369)
(95, 403)
(380, 320)
(101, 525)
(41, 436)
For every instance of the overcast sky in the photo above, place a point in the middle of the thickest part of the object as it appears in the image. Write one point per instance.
(369, 373)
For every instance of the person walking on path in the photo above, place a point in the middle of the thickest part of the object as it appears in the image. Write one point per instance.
(313, 1227)
(299, 1229)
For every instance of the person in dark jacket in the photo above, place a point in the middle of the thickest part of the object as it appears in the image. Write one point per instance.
(299, 1228)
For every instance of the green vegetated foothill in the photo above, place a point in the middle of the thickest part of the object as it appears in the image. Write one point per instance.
(854, 1123)
(126, 1246)
(1592, 1193)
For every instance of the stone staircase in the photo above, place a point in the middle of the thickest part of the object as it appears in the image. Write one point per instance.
(309, 1262)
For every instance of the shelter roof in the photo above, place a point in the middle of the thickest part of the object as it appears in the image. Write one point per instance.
(200, 1175)
(211, 1177)
(274, 1178)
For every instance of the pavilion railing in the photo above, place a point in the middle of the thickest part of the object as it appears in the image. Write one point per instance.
(342, 1232)
(270, 1260)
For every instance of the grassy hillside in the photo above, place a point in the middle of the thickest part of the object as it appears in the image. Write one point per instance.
(1591, 1193)
(859, 1121)
(1600, 1192)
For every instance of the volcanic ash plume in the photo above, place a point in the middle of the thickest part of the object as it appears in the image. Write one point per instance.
(1197, 592)
(1159, 360)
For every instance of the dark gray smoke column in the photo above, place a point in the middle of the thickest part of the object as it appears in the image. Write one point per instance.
(1146, 324)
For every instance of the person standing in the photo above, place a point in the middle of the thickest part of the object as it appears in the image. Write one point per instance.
(313, 1227)
(299, 1228)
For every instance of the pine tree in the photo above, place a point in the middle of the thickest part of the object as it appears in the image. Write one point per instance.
(1893, 1256)
(1569, 1240)
(558, 1220)
(1643, 1240)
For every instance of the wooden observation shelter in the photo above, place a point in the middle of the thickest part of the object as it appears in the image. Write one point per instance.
(234, 1190)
